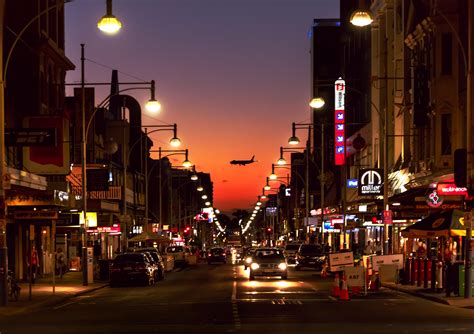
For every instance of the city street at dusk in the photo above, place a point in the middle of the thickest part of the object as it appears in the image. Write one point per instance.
(236, 166)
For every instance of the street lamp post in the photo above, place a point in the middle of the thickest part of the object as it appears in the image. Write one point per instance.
(294, 140)
(186, 164)
(174, 141)
(152, 105)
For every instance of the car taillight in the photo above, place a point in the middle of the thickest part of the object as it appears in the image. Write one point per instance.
(222, 253)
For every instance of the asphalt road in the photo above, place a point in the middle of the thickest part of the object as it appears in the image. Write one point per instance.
(221, 299)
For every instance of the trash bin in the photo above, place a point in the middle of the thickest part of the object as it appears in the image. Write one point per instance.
(104, 269)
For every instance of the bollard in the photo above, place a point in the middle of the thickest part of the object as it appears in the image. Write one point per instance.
(421, 272)
(414, 273)
(440, 276)
(427, 269)
(407, 271)
(433, 275)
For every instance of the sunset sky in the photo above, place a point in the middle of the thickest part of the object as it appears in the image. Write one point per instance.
(233, 74)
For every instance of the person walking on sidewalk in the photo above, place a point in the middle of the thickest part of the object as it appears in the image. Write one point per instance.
(33, 263)
(60, 262)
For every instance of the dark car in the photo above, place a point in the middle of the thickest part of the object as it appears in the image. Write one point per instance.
(268, 262)
(216, 254)
(310, 256)
(132, 267)
(157, 260)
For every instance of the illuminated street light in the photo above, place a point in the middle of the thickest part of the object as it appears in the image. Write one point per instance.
(186, 163)
(200, 188)
(204, 196)
(361, 18)
(109, 23)
(153, 105)
(273, 176)
(317, 103)
(208, 203)
(194, 177)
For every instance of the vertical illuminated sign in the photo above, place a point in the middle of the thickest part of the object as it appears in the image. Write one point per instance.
(339, 122)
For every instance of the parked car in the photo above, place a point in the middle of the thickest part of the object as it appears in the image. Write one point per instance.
(132, 267)
(268, 262)
(290, 251)
(216, 254)
(310, 256)
(157, 260)
(178, 253)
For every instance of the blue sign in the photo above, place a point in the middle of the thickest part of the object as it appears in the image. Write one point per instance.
(352, 183)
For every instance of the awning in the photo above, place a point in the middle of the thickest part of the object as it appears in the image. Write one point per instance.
(447, 223)
(149, 236)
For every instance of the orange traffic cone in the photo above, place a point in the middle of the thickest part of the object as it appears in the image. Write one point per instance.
(335, 288)
(344, 295)
(324, 272)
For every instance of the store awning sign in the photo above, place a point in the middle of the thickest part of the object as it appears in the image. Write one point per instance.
(371, 182)
(450, 189)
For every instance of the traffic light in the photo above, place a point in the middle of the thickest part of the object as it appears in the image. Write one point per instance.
(269, 230)
(460, 167)
(187, 231)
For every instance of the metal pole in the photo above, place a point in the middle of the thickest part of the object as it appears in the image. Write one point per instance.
(385, 179)
(124, 200)
(160, 191)
(3, 221)
(84, 173)
(468, 259)
(146, 179)
(322, 181)
(308, 146)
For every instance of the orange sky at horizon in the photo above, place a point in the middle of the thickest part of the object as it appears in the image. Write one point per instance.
(233, 75)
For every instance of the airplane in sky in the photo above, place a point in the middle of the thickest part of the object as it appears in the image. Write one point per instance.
(243, 162)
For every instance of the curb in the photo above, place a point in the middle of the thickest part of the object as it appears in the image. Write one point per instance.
(419, 294)
(50, 301)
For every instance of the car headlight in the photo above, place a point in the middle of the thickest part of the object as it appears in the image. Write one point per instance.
(254, 266)
(248, 260)
(282, 266)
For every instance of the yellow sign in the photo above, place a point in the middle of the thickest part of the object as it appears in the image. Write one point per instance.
(91, 219)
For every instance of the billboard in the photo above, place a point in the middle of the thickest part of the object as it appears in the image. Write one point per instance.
(51, 159)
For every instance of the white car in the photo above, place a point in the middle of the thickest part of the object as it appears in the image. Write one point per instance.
(290, 251)
(178, 253)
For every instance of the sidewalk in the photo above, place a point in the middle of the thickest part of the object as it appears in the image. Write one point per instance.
(42, 293)
(439, 297)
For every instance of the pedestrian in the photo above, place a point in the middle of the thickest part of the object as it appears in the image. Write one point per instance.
(33, 262)
(378, 248)
(60, 262)
(368, 250)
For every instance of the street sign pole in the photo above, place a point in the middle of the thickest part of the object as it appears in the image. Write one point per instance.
(468, 258)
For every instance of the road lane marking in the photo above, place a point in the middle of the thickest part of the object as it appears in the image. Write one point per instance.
(235, 309)
(63, 305)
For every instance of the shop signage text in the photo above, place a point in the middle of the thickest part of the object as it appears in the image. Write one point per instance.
(35, 215)
(371, 182)
(339, 122)
(450, 189)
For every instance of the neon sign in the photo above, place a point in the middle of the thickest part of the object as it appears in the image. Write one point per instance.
(339, 122)
(450, 189)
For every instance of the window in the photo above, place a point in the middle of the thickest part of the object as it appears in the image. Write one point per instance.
(446, 134)
(446, 54)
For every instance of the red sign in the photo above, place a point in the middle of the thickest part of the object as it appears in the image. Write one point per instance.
(339, 122)
(450, 189)
(107, 229)
(387, 217)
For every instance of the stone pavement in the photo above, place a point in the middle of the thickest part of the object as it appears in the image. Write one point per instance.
(439, 297)
(42, 293)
